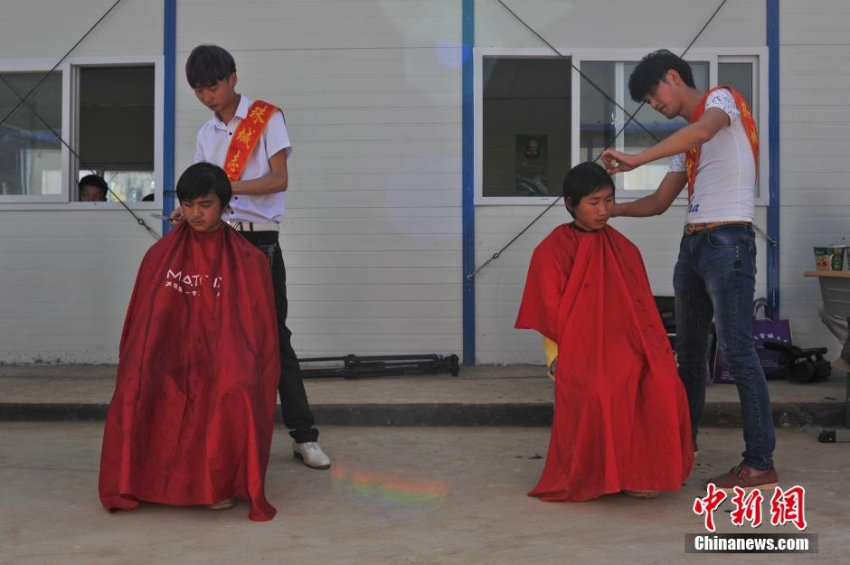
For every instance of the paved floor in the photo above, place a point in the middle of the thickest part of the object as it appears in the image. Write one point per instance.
(394, 496)
(403, 490)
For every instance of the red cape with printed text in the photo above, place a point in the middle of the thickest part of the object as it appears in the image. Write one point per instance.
(192, 416)
(621, 416)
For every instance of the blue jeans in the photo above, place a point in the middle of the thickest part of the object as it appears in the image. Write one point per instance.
(715, 278)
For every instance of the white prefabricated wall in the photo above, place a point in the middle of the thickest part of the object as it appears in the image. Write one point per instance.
(372, 95)
(371, 91)
(67, 270)
(815, 142)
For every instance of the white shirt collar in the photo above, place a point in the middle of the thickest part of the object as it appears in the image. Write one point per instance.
(241, 111)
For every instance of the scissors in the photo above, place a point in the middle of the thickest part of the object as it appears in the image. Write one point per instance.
(167, 218)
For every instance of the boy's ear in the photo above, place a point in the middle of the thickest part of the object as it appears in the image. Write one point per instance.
(569, 203)
(232, 80)
(674, 77)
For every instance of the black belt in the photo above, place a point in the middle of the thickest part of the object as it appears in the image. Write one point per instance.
(239, 225)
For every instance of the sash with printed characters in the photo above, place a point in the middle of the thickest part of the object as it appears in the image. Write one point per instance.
(692, 158)
(246, 136)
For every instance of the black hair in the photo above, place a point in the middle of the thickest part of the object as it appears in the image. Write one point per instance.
(95, 181)
(653, 68)
(204, 178)
(208, 64)
(583, 180)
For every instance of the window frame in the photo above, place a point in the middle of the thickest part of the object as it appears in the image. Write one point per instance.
(70, 131)
(757, 56)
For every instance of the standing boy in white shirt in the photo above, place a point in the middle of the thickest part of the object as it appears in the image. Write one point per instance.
(717, 158)
(248, 139)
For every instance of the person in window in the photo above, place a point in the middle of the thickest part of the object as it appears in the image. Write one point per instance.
(93, 189)
(716, 157)
(532, 176)
(621, 418)
(191, 419)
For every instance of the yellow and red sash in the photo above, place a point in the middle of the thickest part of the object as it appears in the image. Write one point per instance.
(692, 157)
(245, 138)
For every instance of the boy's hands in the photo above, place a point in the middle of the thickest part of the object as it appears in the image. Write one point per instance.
(617, 162)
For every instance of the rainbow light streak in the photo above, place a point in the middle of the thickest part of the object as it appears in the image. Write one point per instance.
(388, 487)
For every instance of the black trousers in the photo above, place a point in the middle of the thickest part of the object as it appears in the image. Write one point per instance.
(297, 415)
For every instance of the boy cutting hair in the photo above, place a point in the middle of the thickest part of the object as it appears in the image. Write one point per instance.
(716, 157)
(249, 140)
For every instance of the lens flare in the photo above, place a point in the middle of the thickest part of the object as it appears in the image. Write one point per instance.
(388, 487)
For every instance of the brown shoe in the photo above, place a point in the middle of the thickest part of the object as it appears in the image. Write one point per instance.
(225, 504)
(642, 493)
(745, 477)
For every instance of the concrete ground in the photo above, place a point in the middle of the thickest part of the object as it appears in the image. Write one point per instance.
(427, 469)
(395, 496)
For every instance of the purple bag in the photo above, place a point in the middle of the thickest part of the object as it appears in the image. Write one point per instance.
(765, 328)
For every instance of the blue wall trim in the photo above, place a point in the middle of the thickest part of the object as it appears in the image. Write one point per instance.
(773, 155)
(468, 199)
(169, 94)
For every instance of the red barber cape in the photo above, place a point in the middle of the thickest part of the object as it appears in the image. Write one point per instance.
(191, 419)
(621, 416)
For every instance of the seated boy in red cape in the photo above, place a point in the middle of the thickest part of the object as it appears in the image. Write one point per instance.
(192, 416)
(621, 415)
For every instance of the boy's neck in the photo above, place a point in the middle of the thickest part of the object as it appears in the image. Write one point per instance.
(227, 113)
(690, 102)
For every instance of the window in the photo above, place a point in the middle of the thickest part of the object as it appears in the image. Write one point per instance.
(575, 116)
(30, 119)
(605, 114)
(525, 126)
(116, 128)
(86, 116)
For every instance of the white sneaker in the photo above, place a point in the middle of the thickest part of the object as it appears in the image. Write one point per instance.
(311, 453)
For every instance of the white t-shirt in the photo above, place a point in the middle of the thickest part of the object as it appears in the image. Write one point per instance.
(211, 146)
(726, 174)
